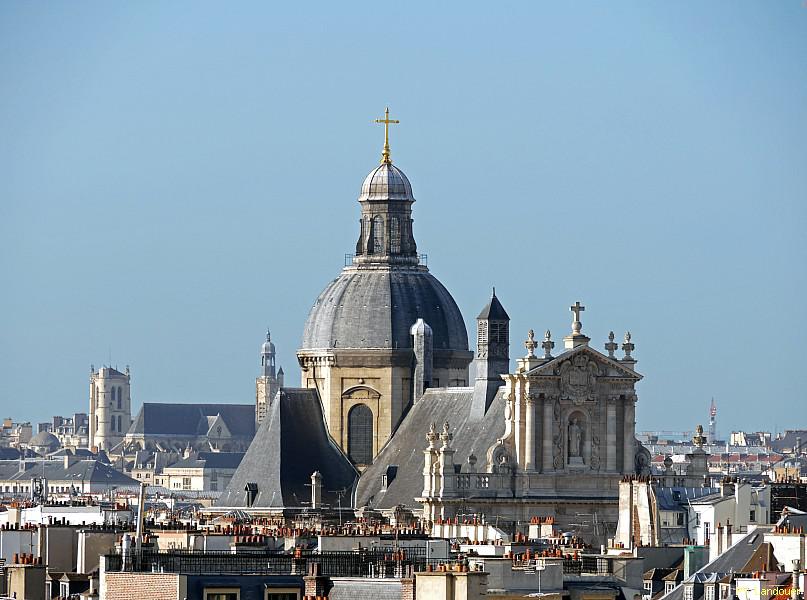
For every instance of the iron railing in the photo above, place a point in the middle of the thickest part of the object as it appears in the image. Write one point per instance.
(370, 564)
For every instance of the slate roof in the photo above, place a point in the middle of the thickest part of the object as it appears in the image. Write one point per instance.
(788, 441)
(375, 308)
(210, 460)
(677, 498)
(732, 560)
(386, 182)
(494, 311)
(364, 589)
(91, 471)
(292, 442)
(405, 448)
(184, 419)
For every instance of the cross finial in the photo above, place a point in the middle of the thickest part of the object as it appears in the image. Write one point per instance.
(385, 154)
(268, 335)
(577, 308)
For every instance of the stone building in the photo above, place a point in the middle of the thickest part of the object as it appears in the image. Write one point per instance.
(358, 350)
(385, 352)
(269, 381)
(174, 427)
(110, 407)
(554, 440)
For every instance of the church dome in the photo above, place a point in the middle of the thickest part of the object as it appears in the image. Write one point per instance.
(45, 440)
(386, 182)
(376, 308)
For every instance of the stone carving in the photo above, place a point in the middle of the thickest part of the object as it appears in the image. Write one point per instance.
(642, 460)
(595, 452)
(578, 379)
(575, 439)
(499, 458)
(558, 437)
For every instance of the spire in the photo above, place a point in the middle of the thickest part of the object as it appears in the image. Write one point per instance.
(385, 231)
(385, 154)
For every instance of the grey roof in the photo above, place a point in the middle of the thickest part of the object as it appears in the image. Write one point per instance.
(732, 560)
(45, 438)
(405, 448)
(90, 471)
(788, 440)
(292, 442)
(187, 419)
(386, 182)
(376, 307)
(677, 498)
(364, 589)
(494, 311)
(210, 460)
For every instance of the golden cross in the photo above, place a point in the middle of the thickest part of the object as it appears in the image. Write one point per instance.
(385, 155)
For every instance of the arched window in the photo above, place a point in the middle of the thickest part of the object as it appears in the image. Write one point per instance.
(96, 422)
(120, 427)
(395, 235)
(360, 434)
(378, 235)
(120, 397)
(113, 393)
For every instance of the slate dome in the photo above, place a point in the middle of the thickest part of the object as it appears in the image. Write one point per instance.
(386, 182)
(374, 302)
(375, 308)
(45, 439)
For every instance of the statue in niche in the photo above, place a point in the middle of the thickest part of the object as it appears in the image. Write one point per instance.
(575, 439)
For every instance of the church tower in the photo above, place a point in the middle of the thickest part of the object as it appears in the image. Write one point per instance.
(110, 407)
(359, 349)
(492, 352)
(268, 382)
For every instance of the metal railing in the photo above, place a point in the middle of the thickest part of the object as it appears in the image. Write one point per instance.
(333, 564)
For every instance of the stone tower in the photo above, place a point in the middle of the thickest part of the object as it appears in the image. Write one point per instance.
(268, 382)
(358, 348)
(110, 407)
(492, 350)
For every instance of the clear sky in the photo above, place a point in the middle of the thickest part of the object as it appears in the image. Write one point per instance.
(177, 176)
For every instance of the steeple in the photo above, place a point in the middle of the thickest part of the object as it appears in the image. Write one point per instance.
(385, 226)
(268, 356)
(268, 382)
(492, 353)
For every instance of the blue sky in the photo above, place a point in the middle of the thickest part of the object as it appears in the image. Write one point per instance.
(177, 176)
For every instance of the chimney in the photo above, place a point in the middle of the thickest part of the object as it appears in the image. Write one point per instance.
(422, 377)
(727, 543)
(316, 489)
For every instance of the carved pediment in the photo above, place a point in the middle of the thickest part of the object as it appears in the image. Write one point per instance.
(578, 369)
(578, 379)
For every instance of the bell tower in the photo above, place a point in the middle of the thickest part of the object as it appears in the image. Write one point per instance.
(110, 407)
(492, 351)
(269, 381)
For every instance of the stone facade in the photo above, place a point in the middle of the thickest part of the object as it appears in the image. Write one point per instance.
(110, 407)
(568, 438)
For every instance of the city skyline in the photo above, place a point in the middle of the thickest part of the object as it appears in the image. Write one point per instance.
(175, 187)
